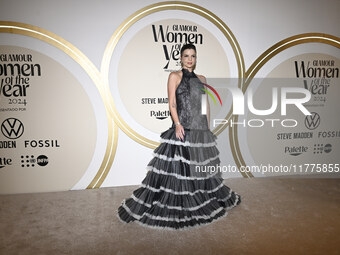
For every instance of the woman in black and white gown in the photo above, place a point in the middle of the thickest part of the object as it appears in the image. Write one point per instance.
(178, 192)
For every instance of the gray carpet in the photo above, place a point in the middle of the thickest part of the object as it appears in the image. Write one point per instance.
(276, 216)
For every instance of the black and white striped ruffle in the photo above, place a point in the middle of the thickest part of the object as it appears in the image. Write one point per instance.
(171, 195)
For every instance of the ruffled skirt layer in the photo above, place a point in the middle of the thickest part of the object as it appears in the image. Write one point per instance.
(178, 191)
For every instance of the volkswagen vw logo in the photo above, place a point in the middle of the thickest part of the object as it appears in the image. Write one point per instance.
(312, 121)
(12, 128)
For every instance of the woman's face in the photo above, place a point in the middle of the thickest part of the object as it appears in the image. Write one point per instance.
(188, 58)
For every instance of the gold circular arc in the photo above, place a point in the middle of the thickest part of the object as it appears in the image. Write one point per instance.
(170, 5)
(91, 70)
(256, 66)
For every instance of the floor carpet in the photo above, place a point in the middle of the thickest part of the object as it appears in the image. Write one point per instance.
(276, 216)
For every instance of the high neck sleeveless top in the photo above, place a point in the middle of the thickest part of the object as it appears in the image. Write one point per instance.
(189, 102)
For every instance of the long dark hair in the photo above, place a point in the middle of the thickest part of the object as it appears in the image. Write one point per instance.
(187, 46)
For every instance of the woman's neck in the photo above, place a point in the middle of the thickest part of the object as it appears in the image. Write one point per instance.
(188, 69)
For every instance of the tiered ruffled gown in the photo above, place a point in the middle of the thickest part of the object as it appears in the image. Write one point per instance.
(174, 195)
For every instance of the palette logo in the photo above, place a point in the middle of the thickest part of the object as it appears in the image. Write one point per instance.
(204, 102)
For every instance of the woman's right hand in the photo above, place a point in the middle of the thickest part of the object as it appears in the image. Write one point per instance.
(180, 132)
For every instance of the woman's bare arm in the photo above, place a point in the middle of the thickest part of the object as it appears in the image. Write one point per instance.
(172, 85)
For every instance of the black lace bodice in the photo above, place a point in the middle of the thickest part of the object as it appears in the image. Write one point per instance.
(189, 102)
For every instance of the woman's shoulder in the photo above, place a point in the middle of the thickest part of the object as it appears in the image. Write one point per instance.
(176, 75)
(201, 77)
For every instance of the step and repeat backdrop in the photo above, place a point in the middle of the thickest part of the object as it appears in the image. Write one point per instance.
(83, 88)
